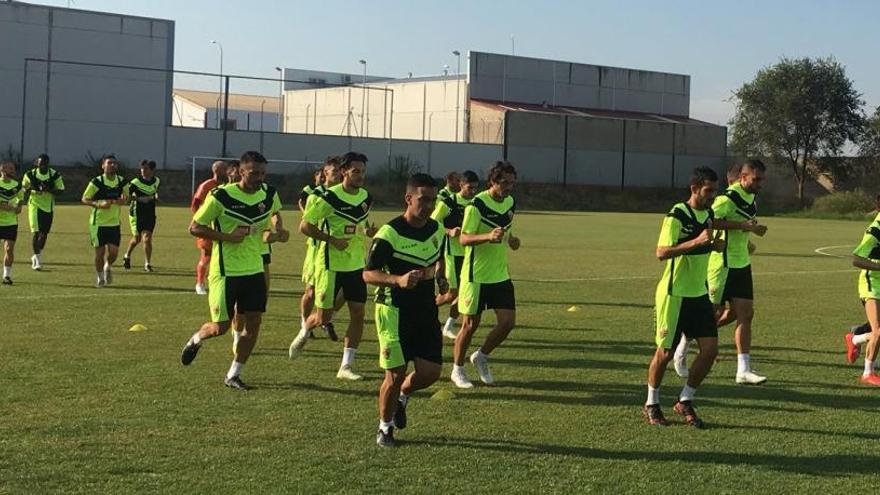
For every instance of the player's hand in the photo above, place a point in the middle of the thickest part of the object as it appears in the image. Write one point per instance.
(514, 242)
(282, 235)
(410, 279)
(103, 204)
(704, 238)
(759, 230)
(442, 299)
(370, 229)
(752, 247)
(239, 233)
(455, 232)
(339, 243)
(718, 245)
(442, 284)
(496, 236)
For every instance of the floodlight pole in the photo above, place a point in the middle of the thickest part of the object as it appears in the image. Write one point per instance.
(219, 45)
(457, 89)
(280, 99)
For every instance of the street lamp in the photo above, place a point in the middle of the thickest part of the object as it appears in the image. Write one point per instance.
(363, 93)
(457, 88)
(280, 98)
(219, 45)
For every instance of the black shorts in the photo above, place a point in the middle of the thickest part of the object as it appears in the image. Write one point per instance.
(738, 284)
(328, 283)
(103, 236)
(696, 319)
(419, 333)
(230, 295)
(267, 259)
(475, 297)
(9, 233)
(44, 221)
(146, 223)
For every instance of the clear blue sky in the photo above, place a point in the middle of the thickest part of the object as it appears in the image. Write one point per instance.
(720, 44)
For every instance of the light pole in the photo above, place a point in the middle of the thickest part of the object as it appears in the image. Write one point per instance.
(219, 45)
(512, 44)
(457, 88)
(363, 93)
(280, 99)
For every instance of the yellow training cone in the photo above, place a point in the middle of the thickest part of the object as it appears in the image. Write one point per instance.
(573, 309)
(443, 394)
(137, 327)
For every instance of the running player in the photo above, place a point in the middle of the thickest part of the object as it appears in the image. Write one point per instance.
(219, 176)
(682, 305)
(405, 257)
(11, 199)
(867, 257)
(339, 221)
(143, 194)
(232, 172)
(485, 279)
(309, 189)
(453, 181)
(41, 184)
(104, 194)
(235, 217)
(450, 213)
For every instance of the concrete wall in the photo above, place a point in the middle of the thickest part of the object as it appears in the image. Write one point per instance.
(62, 98)
(508, 78)
(187, 114)
(485, 123)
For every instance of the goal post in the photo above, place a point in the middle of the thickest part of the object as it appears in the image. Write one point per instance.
(275, 166)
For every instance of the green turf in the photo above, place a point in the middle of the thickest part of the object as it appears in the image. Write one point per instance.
(89, 407)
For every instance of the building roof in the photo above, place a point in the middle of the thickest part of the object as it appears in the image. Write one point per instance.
(248, 103)
(589, 112)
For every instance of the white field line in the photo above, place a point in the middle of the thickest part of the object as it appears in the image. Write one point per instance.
(821, 250)
(645, 277)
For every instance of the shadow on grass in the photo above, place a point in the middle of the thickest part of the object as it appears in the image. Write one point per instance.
(588, 303)
(313, 387)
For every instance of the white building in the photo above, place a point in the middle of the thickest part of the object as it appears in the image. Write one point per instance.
(205, 109)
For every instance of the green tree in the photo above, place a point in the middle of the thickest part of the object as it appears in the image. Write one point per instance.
(798, 111)
(870, 143)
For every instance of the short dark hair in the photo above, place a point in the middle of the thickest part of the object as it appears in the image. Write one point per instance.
(334, 160)
(734, 170)
(755, 164)
(147, 163)
(42, 156)
(3, 163)
(233, 164)
(469, 176)
(350, 157)
(500, 168)
(252, 157)
(451, 176)
(420, 180)
(107, 156)
(701, 175)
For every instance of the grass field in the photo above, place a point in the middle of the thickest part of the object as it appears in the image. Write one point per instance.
(89, 407)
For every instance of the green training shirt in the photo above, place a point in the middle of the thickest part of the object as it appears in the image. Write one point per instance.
(11, 194)
(102, 188)
(228, 207)
(450, 213)
(142, 188)
(737, 205)
(869, 280)
(487, 262)
(341, 215)
(685, 275)
(43, 187)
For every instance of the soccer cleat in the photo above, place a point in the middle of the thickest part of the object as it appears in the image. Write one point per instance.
(460, 379)
(236, 383)
(100, 283)
(385, 439)
(447, 329)
(297, 346)
(686, 409)
(201, 290)
(871, 379)
(654, 415)
(852, 350)
(345, 373)
(331, 331)
(7, 281)
(400, 415)
(750, 378)
(35, 263)
(189, 353)
(481, 362)
(126, 263)
(148, 268)
(108, 275)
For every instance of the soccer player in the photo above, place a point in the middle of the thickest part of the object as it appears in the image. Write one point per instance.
(485, 281)
(453, 181)
(235, 217)
(450, 213)
(338, 220)
(682, 306)
(219, 176)
(11, 198)
(143, 194)
(310, 189)
(403, 263)
(867, 257)
(104, 194)
(232, 172)
(41, 184)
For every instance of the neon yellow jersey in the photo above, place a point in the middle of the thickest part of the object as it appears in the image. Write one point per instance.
(869, 248)
(142, 188)
(11, 194)
(312, 244)
(487, 262)
(341, 215)
(103, 188)
(225, 209)
(737, 205)
(450, 213)
(685, 275)
(43, 188)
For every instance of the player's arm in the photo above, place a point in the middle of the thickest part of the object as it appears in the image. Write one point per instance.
(865, 263)
(209, 212)
(668, 246)
(303, 199)
(319, 211)
(470, 226)
(88, 198)
(57, 186)
(279, 234)
(374, 273)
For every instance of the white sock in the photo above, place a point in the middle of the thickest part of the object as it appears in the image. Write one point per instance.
(195, 339)
(450, 322)
(38, 257)
(235, 369)
(742, 364)
(404, 399)
(348, 357)
(687, 393)
(480, 355)
(303, 332)
(653, 396)
(100, 276)
(869, 367)
(861, 338)
(7, 271)
(386, 425)
(682, 349)
(146, 263)
(106, 266)
(456, 369)
(302, 324)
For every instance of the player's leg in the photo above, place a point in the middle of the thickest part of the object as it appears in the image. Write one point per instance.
(471, 310)
(8, 259)
(744, 309)
(422, 342)
(872, 310)
(202, 266)
(352, 340)
(325, 289)
(222, 302)
(667, 309)
(393, 361)
(100, 255)
(856, 336)
(389, 392)
(114, 235)
(147, 238)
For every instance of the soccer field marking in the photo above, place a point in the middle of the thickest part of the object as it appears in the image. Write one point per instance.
(646, 277)
(821, 250)
(99, 292)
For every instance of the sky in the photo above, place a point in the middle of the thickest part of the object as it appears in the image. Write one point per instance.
(721, 45)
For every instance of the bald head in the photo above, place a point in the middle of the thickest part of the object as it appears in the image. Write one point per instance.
(218, 168)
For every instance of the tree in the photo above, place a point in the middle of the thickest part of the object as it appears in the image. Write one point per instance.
(870, 142)
(797, 111)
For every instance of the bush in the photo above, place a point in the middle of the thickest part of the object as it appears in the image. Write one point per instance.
(843, 203)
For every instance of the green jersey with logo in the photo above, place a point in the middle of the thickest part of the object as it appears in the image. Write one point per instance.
(487, 262)
(344, 216)
(450, 213)
(737, 205)
(685, 275)
(43, 187)
(142, 188)
(103, 188)
(11, 194)
(869, 248)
